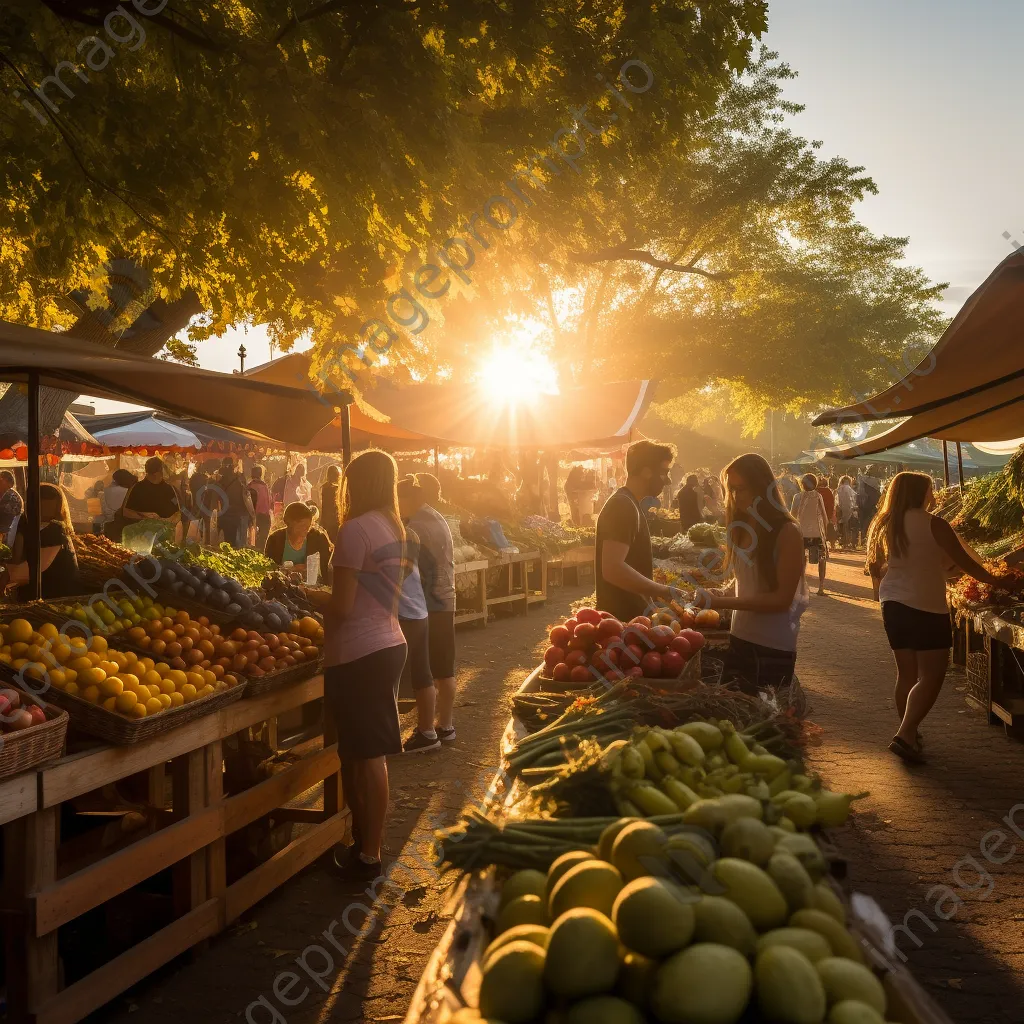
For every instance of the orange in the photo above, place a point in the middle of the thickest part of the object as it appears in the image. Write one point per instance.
(110, 704)
(188, 692)
(91, 694)
(165, 700)
(177, 700)
(112, 686)
(145, 664)
(92, 676)
(196, 679)
(153, 706)
(177, 677)
(139, 711)
(98, 644)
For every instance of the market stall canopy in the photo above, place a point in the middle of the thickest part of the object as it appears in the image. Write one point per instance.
(971, 385)
(267, 412)
(147, 431)
(921, 452)
(464, 415)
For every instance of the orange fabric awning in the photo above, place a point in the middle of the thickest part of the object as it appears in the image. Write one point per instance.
(421, 416)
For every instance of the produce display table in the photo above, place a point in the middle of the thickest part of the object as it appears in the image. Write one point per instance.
(518, 585)
(479, 613)
(993, 650)
(42, 892)
(578, 560)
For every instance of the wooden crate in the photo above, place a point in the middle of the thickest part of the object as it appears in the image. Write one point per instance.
(37, 900)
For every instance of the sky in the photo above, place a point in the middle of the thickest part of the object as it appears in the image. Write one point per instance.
(924, 95)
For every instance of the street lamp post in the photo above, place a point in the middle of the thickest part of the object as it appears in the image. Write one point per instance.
(241, 357)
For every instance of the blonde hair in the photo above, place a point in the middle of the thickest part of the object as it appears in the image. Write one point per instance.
(769, 516)
(369, 484)
(887, 536)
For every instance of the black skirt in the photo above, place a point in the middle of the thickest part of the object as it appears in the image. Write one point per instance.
(910, 629)
(361, 697)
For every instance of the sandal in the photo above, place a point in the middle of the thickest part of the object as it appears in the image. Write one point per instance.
(901, 748)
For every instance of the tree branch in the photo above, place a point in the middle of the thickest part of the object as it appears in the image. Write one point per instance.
(297, 19)
(626, 255)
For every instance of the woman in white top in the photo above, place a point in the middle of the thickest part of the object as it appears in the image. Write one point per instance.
(911, 554)
(765, 551)
(809, 512)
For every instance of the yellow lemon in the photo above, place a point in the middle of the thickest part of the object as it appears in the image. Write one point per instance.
(58, 678)
(188, 691)
(139, 711)
(19, 663)
(125, 701)
(94, 657)
(165, 699)
(70, 675)
(110, 667)
(153, 706)
(91, 694)
(177, 700)
(151, 678)
(177, 677)
(48, 631)
(112, 686)
(132, 685)
(80, 664)
(92, 676)
(5, 658)
(146, 664)
(208, 677)
(34, 652)
(128, 679)
(196, 679)
(19, 650)
(98, 645)
(118, 659)
(61, 653)
(220, 685)
(110, 704)
(130, 657)
(206, 690)
(35, 670)
(20, 631)
(166, 685)
(71, 689)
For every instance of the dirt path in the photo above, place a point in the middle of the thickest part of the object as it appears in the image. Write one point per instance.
(235, 978)
(918, 844)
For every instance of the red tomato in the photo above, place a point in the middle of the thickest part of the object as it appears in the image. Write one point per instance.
(553, 655)
(672, 663)
(695, 639)
(636, 634)
(605, 615)
(634, 656)
(635, 672)
(588, 615)
(579, 643)
(580, 674)
(681, 645)
(561, 672)
(585, 631)
(570, 624)
(613, 675)
(640, 620)
(574, 658)
(661, 636)
(609, 627)
(559, 636)
(651, 665)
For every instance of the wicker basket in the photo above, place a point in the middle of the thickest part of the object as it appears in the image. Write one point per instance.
(36, 745)
(115, 728)
(979, 683)
(294, 674)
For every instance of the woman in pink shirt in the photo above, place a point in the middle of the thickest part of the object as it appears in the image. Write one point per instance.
(364, 649)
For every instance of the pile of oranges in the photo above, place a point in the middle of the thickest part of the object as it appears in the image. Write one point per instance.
(187, 644)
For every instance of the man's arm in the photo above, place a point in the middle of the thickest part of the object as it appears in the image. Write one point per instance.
(615, 571)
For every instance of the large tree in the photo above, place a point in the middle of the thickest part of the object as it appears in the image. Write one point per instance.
(281, 161)
(724, 257)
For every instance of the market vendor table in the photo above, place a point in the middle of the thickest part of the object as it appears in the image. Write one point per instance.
(579, 559)
(519, 580)
(190, 839)
(995, 665)
(478, 614)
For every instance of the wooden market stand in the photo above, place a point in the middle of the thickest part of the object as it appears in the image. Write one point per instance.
(992, 651)
(40, 894)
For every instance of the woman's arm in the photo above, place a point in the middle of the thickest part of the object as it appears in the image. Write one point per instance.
(945, 536)
(789, 570)
(18, 571)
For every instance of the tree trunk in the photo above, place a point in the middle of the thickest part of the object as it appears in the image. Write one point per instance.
(147, 334)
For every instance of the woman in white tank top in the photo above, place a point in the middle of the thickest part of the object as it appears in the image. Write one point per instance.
(766, 553)
(911, 555)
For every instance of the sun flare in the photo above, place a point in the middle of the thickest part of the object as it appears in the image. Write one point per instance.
(515, 373)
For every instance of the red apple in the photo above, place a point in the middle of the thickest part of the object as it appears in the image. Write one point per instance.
(574, 658)
(553, 655)
(640, 620)
(651, 664)
(636, 634)
(609, 627)
(695, 639)
(605, 615)
(585, 631)
(661, 636)
(588, 615)
(633, 655)
(559, 636)
(672, 663)
(579, 643)
(560, 673)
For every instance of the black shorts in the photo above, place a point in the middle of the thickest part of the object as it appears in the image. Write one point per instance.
(816, 550)
(361, 697)
(416, 675)
(756, 667)
(442, 645)
(910, 629)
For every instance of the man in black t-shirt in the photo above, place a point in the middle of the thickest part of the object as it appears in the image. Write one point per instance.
(623, 561)
(152, 497)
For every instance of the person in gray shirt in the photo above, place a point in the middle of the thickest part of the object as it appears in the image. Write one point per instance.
(437, 572)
